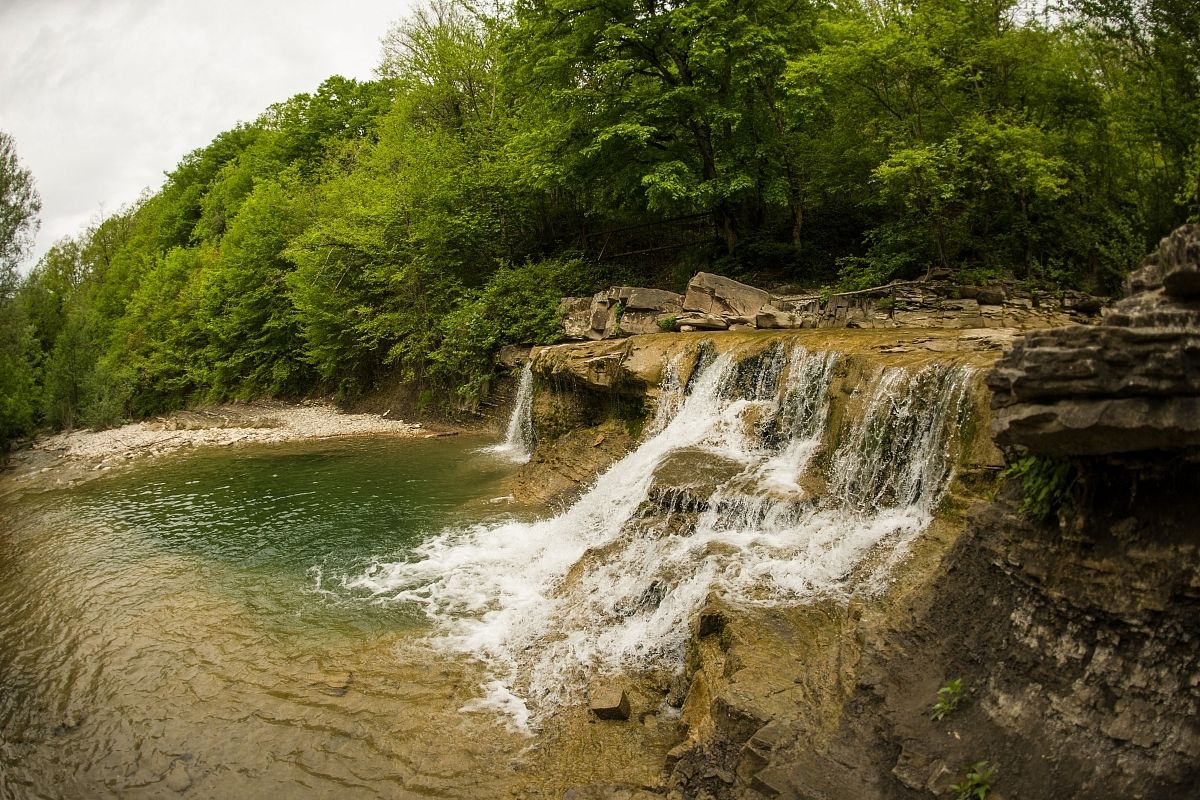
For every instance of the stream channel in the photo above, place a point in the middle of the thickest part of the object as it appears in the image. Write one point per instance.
(170, 630)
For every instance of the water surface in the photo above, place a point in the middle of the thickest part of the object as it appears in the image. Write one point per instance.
(173, 629)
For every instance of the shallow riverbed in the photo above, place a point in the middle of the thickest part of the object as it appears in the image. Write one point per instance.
(174, 629)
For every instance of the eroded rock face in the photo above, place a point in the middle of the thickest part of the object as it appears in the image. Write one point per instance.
(1129, 385)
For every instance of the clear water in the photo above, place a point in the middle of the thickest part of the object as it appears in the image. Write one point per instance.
(168, 629)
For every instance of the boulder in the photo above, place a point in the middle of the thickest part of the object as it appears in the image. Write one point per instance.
(576, 316)
(990, 296)
(1174, 267)
(717, 295)
(618, 311)
(1130, 384)
(654, 300)
(608, 701)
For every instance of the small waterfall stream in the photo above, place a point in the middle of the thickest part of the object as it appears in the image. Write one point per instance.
(519, 439)
(729, 493)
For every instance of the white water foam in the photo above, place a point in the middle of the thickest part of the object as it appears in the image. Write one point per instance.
(519, 439)
(611, 583)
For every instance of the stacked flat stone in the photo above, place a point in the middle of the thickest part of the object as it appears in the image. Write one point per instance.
(1130, 384)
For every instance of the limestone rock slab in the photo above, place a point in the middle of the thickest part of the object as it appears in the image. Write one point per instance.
(714, 294)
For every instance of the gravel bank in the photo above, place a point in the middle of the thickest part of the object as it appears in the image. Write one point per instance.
(68, 458)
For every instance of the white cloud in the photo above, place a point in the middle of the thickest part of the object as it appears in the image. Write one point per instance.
(104, 96)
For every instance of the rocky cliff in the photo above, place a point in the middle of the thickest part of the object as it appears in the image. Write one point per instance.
(1062, 628)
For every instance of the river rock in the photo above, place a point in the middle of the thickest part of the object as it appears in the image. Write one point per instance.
(714, 294)
(1130, 384)
(177, 778)
(608, 701)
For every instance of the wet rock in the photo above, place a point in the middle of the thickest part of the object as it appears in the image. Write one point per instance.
(710, 621)
(756, 753)
(772, 782)
(511, 355)
(717, 295)
(608, 701)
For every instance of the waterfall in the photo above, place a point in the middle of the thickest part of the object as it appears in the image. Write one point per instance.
(519, 440)
(728, 493)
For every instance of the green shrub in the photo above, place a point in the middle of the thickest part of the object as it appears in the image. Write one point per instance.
(949, 696)
(978, 782)
(518, 305)
(1046, 483)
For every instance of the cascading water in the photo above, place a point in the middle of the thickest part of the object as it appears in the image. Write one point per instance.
(726, 495)
(519, 440)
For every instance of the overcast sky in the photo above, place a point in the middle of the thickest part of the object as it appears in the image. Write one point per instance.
(103, 96)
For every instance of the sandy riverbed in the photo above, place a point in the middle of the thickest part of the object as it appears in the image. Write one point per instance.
(73, 456)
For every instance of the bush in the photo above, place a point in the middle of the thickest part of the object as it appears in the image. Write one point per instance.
(518, 305)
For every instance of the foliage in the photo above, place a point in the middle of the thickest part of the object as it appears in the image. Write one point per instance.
(949, 696)
(517, 305)
(411, 225)
(1046, 484)
(19, 353)
(977, 784)
(19, 207)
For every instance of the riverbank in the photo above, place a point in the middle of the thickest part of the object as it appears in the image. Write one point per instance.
(68, 458)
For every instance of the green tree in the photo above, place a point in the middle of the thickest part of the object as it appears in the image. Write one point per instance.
(671, 105)
(19, 207)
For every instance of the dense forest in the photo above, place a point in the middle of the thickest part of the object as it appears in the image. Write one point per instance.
(408, 226)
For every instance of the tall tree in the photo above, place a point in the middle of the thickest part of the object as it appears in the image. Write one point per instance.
(19, 207)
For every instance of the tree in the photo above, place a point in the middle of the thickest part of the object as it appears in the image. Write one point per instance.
(672, 103)
(19, 207)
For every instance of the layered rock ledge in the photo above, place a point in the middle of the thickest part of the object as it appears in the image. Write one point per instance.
(1128, 385)
(716, 303)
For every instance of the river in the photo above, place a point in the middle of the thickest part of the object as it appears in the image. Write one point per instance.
(175, 629)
